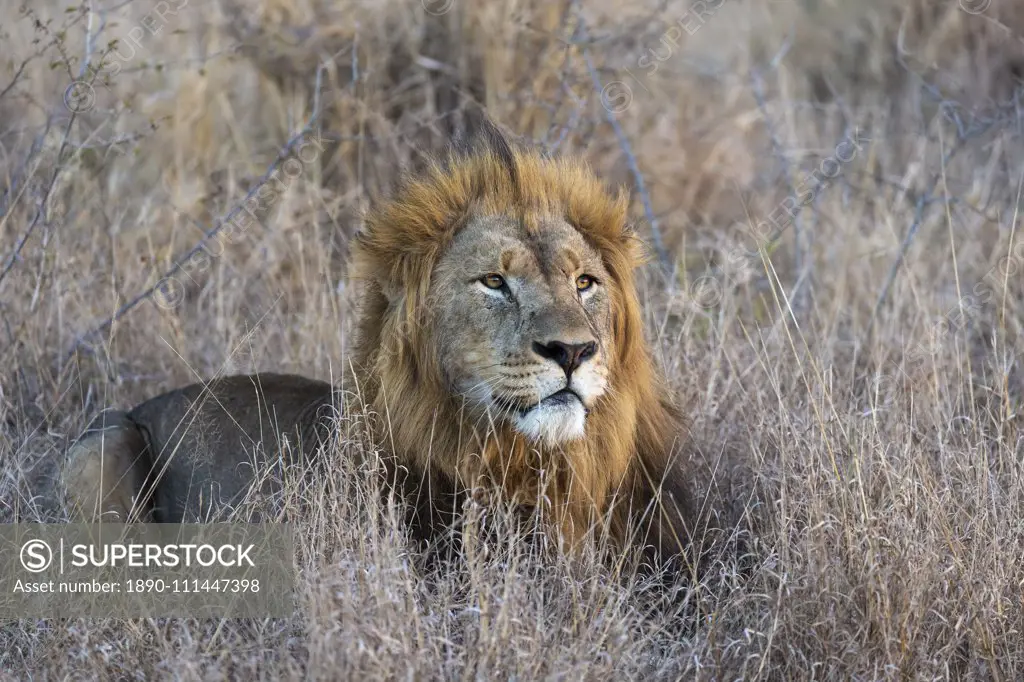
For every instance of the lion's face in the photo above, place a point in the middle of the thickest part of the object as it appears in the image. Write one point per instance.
(500, 340)
(523, 325)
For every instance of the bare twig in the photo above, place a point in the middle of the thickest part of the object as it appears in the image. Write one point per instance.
(638, 178)
(574, 117)
(21, 69)
(90, 36)
(218, 226)
(43, 201)
(757, 83)
(919, 210)
(978, 125)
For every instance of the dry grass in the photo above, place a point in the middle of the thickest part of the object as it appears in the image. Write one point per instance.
(863, 372)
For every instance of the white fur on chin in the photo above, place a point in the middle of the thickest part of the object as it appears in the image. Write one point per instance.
(553, 424)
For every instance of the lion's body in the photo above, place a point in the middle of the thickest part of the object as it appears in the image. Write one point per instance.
(204, 443)
(500, 348)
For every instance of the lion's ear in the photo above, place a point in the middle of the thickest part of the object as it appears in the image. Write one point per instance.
(405, 280)
(637, 250)
(393, 291)
(482, 134)
(369, 265)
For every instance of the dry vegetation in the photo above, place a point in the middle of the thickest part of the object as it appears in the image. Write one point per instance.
(855, 384)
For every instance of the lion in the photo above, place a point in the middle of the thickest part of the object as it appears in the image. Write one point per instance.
(499, 343)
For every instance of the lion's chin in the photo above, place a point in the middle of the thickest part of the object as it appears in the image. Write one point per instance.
(553, 423)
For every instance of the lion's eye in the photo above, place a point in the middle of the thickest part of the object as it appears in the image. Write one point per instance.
(493, 281)
(584, 282)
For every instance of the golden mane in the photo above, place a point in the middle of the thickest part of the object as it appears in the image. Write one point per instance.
(623, 463)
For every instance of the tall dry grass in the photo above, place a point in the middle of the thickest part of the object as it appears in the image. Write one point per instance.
(855, 384)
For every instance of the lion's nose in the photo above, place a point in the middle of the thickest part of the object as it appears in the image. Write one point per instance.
(569, 356)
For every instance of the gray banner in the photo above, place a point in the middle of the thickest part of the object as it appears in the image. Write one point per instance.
(146, 570)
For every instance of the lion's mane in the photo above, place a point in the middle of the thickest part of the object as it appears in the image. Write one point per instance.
(622, 472)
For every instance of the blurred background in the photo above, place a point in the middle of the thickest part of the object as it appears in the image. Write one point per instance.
(830, 196)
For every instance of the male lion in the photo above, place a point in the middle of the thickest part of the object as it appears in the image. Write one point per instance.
(500, 345)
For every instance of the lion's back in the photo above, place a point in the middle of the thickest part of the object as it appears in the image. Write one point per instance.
(208, 440)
